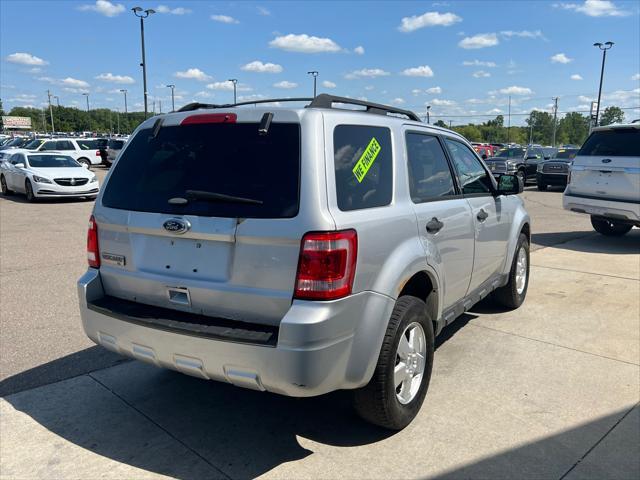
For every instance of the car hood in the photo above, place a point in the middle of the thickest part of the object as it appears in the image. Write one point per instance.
(62, 172)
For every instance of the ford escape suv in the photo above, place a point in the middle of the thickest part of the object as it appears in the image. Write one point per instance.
(299, 251)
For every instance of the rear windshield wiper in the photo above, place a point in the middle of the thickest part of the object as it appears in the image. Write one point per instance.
(218, 197)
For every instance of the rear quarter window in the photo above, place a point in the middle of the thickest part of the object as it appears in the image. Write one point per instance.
(363, 166)
(619, 142)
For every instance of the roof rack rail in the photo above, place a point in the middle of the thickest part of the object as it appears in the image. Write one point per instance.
(326, 101)
(196, 106)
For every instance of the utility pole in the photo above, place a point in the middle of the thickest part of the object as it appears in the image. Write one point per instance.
(173, 103)
(145, 13)
(509, 122)
(118, 119)
(57, 100)
(428, 115)
(124, 90)
(88, 113)
(44, 121)
(449, 124)
(53, 129)
(314, 73)
(160, 105)
(235, 82)
(531, 128)
(555, 116)
(604, 49)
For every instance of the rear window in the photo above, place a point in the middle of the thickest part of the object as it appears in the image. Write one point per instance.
(88, 144)
(363, 166)
(620, 142)
(566, 154)
(226, 159)
(116, 144)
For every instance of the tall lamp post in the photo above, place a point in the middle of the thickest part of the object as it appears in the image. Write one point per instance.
(57, 100)
(428, 114)
(49, 95)
(604, 49)
(235, 83)
(314, 73)
(124, 90)
(142, 14)
(88, 114)
(173, 103)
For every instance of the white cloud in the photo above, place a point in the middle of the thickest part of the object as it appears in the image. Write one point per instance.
(421, 71)
(285, 84)
(585, 99)
(515, 90)
(203, 94)
(359, 50)
(248, 98)
(259, 67)
(441, 103)
(428, 19)
(416, 91)
(522, 34)
(494, 111)
(576, 76)
(398, 101)
(193, 74)
(304, 43)
(104, 7)
(623, 98)
(561, 58)
(367, 73)
(482, 40)
(434, 90)
(25, 59)
(22, 98)
(481, 74)
(74, 82)
(228, 86)
(172, 11)
(263, 11)
(224, 19)
(636, 76)
(328, 84)
(595, 8)
(478, 63)
(110, 77)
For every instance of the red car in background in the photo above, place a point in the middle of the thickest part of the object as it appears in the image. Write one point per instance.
(485, 150)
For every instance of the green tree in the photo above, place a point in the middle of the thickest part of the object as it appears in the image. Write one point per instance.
(573, 128)
(440, 123)
(542, 123)
(612, 115)
(470, 132)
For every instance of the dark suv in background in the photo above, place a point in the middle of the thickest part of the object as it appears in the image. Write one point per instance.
(519, 161)
(556, 170)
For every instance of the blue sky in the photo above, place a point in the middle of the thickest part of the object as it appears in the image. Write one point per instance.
(463, 58)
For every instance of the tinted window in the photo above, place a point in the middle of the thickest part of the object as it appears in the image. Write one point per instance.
(472, 176)
(228, 159)
(17, 158)
(64, 145)
(566, 154)
(363, 166)
(511, 153)
(50, 145)
(87, 144)
(52, 161)
(33, 144)
(429, 174)
(620, 142)
(116, 144)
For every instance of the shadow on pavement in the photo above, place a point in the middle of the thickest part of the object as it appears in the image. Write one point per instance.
(590, 242)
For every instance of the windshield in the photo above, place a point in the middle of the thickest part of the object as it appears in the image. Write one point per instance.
(17, 142)
(566, 154)
(51, 161)
(221, 159)
(511, 153)
(618, 142)
(33, 144)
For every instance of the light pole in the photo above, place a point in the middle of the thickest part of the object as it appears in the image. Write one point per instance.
(88, 114)
(145, 13)
(555, 116)
(314, 73)
(173, 103)
(53, 129)
(531, 128)
(509, 123)
(604, 49)
(428, 114)
(57, 100)
(124, 90)
(235, 83)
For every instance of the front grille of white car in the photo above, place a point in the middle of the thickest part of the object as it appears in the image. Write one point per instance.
(71, 182)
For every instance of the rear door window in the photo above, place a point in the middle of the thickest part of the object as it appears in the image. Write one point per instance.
(620, 142)
(50, 145)
(220, 159)
(429, 173)
(363, 166)
(64, 145)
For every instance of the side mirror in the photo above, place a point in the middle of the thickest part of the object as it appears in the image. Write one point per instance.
(510, 185)
(19, 165)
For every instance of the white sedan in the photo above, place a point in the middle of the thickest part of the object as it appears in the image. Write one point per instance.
(48, 175)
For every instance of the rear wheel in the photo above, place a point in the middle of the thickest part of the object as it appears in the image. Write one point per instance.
(542, 187)
(31, 197)
(399, 384)
(610, 228)
(512, 295)
(3, 184)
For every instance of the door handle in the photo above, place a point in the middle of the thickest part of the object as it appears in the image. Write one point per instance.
(482, 215)
(434, 225)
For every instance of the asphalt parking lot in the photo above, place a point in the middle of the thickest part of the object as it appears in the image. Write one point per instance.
(548, 391)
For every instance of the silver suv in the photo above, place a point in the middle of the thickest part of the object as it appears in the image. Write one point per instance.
(299, 251)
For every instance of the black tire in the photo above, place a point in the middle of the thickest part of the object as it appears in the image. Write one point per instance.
(508, 296)
(542, 187)
(377, 402)
(610, 228)
(521, 175)
(3, 184)
(31, 197)
(85, 161)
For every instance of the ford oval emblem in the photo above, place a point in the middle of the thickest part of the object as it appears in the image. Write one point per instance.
(176, 225)
(606, 160)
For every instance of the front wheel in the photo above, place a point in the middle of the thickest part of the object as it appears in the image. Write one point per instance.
(85, 162)
(610, 228)
(399, 384)
(520, 174)
(28, 189)
(512, 295)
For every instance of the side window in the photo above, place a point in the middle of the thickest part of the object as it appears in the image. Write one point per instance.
(363, 166)
(51, 145)
(429, 174)
(64, 145)
(472, 176)
(17, 158)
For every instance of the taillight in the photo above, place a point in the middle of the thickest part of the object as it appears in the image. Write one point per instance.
(327, 265)
(97, 153)
(93, 251)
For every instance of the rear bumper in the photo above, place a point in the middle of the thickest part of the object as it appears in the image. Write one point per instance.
(611, 209)
(321, 346)
(552, 178)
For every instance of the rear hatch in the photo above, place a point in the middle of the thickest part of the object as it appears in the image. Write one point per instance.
(201, 217)
(608, 165)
